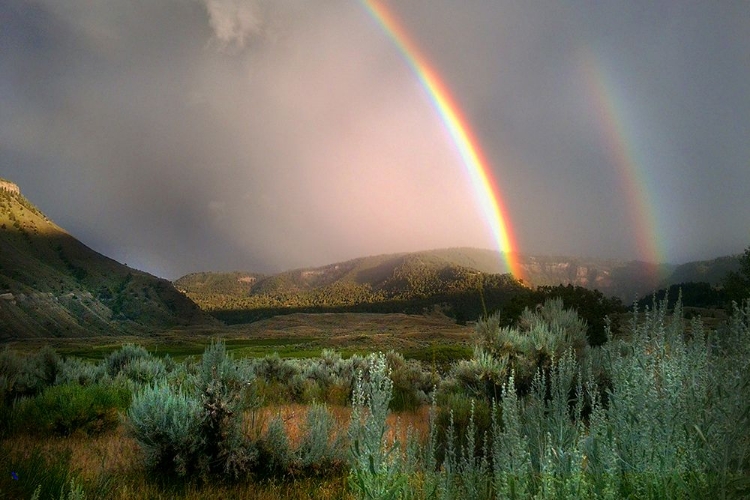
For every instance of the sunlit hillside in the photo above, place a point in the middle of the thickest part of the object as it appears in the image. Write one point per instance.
(53, 285)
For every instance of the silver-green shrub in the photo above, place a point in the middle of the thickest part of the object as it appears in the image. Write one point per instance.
(275, 454)
(541, 335)
(275, 368)
(473, 465)
(278, 380)
(411, 382)
(196, 427)
(144, 370)
(26, 375)
(671, 423)
(167, 423)
(117, 360)
(321, 450)
(328, 378)
(82, 372)
(226, 449)
(511, 457)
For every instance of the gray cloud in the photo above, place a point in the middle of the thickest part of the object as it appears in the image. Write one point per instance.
(234, 21)
(226, 134)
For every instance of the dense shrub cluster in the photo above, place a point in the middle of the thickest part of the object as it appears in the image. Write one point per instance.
(321, 450)
(330, 379)
(195, 428)
(27, 375)
(541, 336)
(66, 409)
(78, 371)
(673, 425)
(24, 376)
(375, 466)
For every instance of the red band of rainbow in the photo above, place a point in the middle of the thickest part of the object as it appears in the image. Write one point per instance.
(457, 126)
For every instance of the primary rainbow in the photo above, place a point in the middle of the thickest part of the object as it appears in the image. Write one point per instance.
(459, 130)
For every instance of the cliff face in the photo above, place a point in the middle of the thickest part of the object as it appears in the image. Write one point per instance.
(624, 279)
(568, 272)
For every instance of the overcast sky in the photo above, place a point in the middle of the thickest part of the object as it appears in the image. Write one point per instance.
(263, 135)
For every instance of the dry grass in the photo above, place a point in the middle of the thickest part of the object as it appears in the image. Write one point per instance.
(293, 415)
(116, 456)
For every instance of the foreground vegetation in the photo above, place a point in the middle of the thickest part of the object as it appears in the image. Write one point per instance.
(662, 411)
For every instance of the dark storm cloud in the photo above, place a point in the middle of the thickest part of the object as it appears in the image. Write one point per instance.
(187, 135)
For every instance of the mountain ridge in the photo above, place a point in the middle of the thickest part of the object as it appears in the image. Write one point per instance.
(625, 279)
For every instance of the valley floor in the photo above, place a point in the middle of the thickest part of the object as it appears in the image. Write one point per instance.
(293, 335)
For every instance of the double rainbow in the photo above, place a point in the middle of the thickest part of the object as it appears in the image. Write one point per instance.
(457, 126)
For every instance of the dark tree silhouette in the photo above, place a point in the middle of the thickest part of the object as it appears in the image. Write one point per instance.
(737, 283)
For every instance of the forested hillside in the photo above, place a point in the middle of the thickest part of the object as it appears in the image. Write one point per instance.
(386, 283)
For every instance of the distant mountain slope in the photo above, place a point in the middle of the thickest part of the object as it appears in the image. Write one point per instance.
(615, 278)
(395, 273)
(53, 285)
(707, 271)
(383, 283)
(434, 272)
(225, 283)
(403, 274)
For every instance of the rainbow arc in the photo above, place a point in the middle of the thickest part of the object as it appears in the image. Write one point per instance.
(474, 161)
(610, 114)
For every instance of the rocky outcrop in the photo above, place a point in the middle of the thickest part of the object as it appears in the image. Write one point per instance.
(9, 187)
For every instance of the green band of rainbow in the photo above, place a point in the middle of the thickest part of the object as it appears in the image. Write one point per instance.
(468, 147)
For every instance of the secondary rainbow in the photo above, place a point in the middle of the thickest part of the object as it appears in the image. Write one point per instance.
(611, 116)
(459, 130)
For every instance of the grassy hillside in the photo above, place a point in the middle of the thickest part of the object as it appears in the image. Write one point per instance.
(53, 285)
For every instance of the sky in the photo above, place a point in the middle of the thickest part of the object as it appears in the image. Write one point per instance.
(179, 136)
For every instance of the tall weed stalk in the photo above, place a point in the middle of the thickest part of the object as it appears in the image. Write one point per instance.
(373, 462)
